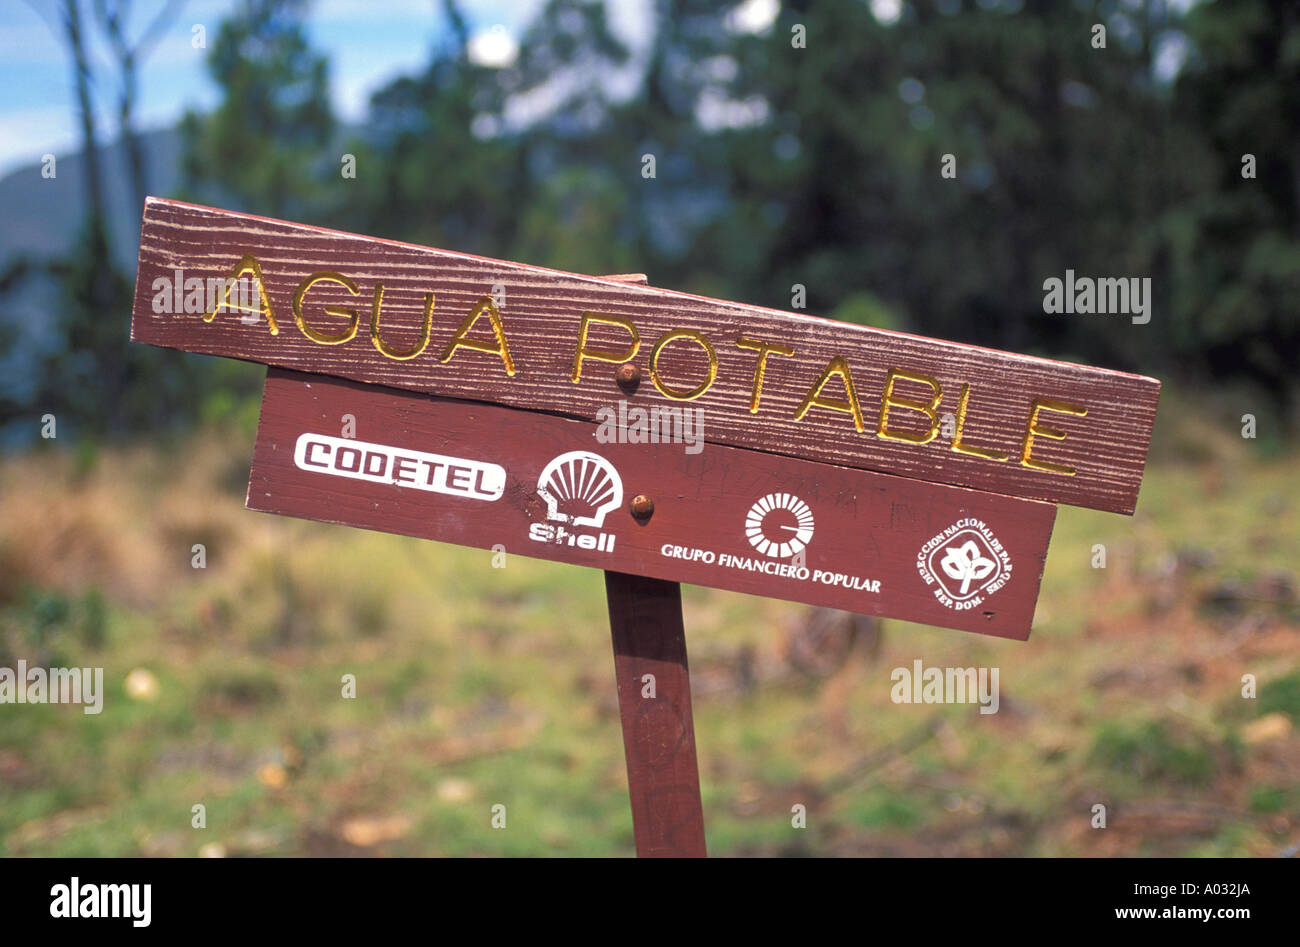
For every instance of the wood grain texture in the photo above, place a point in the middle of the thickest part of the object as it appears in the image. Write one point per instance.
(866, 527)
(542, 316)
(663, 777)
(645, 620)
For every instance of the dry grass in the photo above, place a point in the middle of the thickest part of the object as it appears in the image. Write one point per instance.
(478, 685)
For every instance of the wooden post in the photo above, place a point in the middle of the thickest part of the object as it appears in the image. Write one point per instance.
(663, 776)
(645, 618)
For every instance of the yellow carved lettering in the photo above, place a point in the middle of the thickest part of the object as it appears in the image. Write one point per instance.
(384, 347)
(679, 394)
(837, 366)
(961, 448)
(888, 399)
(246, 266)
(602, 355)
(1032, 430)
(351, 314)
(499, 347)
(764, 349)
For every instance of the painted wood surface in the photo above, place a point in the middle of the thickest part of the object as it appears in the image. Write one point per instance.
(654, 700)
(525, 484)
(467, 327)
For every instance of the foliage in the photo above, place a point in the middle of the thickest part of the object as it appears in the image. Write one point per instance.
(263, 147)
(780, 164)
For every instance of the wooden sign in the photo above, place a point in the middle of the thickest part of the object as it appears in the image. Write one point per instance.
(466, 327)
(518, 409)
(547, 487)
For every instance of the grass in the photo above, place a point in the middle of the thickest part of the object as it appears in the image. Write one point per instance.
(478, 687)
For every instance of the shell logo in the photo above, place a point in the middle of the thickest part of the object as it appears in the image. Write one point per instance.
(580, 488)
(773, 517)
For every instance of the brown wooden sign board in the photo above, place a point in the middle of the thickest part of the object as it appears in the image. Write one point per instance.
(473, 386)
(462, 326)
(546, 487)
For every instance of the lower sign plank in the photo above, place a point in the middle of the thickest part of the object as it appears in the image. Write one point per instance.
(553, 488)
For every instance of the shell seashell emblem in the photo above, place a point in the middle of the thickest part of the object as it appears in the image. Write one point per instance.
(580, 488)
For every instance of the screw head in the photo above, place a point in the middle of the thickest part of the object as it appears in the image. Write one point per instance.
(628, 375)
(642, 506)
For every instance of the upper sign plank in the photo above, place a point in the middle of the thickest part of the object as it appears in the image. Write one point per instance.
(457, 325)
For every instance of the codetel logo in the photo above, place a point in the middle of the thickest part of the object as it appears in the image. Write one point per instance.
(964, 564)
(382, 463)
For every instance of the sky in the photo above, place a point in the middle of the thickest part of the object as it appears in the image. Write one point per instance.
(368, 42)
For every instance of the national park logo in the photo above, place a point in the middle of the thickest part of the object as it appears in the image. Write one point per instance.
(964, 564)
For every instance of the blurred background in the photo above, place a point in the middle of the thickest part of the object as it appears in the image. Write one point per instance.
(794, 143)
